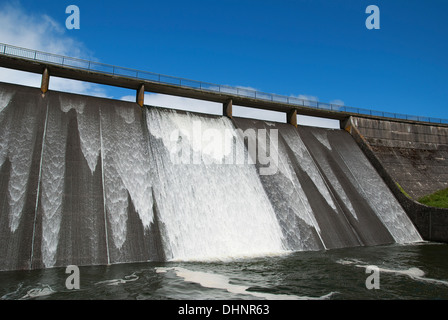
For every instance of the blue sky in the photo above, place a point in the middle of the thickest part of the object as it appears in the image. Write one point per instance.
(312, 48)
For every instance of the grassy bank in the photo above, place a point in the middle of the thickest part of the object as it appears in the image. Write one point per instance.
(438, 199)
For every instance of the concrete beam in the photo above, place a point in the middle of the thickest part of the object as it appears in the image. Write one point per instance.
(227, 108)
(45, 81)
(140, 98)
(291, 117)
(34, 66)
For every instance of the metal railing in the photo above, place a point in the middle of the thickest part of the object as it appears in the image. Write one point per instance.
(76, 63)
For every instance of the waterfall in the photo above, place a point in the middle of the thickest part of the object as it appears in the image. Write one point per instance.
(208, 209)
(94, 181)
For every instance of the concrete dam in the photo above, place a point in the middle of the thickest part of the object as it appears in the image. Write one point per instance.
(91, 181)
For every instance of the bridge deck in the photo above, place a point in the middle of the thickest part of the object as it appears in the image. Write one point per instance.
(83, 70)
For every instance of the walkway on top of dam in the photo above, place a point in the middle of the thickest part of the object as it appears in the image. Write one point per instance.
(49, 64)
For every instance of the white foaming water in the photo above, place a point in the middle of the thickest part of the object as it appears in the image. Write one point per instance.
(216, 281)
(293, 205)
(114, 282)
(215, 148)
(322, 137)
(20, 150)
(208, 211)
(44, 290)
(11, 295)
(89, 129)
(341, 192)
(4, 141)
(126, 170)
(52, 185)
(5, 98)
(307, 164)
(379, 196)
(413, 272)
(116, 202)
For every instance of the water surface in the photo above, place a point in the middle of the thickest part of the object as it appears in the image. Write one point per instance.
(417, 271)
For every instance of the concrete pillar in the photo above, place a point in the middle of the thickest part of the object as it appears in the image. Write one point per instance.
(227, 108)
(140, 99)
(347, 124)
(45, 81)
(291, 117)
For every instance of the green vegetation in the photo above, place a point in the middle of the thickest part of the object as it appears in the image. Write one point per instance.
(402, 191)
(438, 199)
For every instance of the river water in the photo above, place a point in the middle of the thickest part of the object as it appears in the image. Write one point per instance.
(396, 272)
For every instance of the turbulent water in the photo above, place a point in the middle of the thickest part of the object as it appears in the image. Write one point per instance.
(88, 181)
(417, 271)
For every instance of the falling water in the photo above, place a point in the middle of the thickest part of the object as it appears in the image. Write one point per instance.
(208, 211)
(17, 144)
(52, 185)
(126, 170)
(116, 183)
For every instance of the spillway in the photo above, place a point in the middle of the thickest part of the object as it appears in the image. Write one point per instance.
(91, 181)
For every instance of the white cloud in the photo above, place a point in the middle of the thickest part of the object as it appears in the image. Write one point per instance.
(337, 102)
(42, 33)
(306, 97)
(247, 88)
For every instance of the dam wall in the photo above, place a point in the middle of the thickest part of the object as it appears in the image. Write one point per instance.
(416, 155)
(411, 157)
(93, 181)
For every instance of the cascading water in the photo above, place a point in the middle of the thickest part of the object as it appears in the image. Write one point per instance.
(20, 153)
(94, 181)
(52, 185)
(376, 192)
(126, 170)
(16, 144)
(370, 207)
(208, 209)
